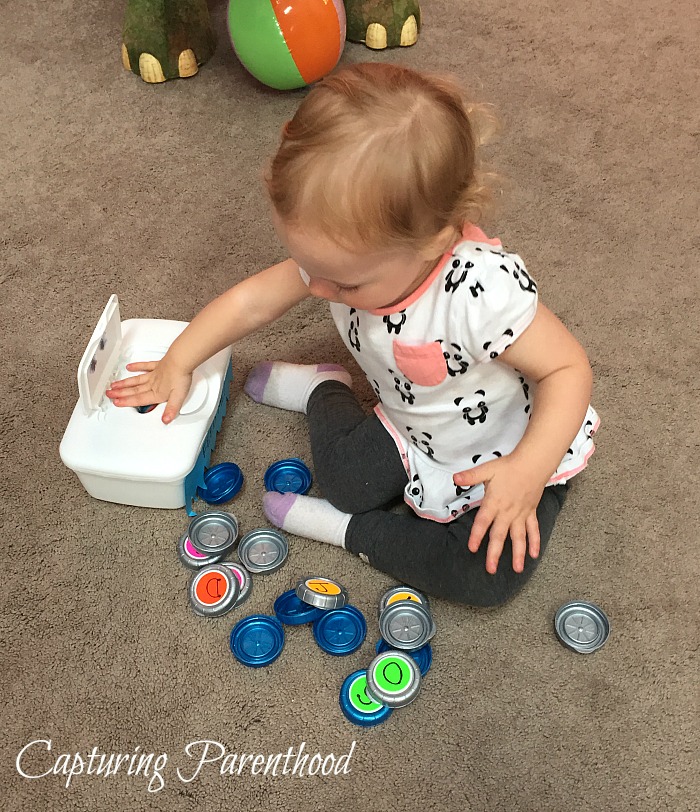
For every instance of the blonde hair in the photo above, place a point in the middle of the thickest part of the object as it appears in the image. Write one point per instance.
(382, 155)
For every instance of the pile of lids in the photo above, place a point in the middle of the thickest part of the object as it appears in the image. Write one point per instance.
(220, 585)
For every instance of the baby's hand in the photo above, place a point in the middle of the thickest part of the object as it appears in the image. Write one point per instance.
(160, 383)
(509, 506)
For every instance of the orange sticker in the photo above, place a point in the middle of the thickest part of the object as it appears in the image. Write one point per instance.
(211, 588)
(323, 587)
(402, 596)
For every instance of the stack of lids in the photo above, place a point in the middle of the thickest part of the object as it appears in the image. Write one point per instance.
(404, 655)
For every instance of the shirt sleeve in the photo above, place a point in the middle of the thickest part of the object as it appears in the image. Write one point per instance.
(498, 295)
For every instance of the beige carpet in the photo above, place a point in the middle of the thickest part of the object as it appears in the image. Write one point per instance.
(152, 192)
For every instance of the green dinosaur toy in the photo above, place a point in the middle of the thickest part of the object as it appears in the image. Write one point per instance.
(164, 39)
(383, 23)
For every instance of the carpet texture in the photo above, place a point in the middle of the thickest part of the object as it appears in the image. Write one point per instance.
(110, 185)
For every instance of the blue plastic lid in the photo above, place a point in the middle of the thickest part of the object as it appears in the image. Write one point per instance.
(423, 657)
(221, 483)
(340, 631)
(295, 612)
(357, 706)
(146, 409)
(257, 640)
(288, 476)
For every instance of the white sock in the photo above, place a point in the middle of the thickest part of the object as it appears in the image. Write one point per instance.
(288, 386)
(307, 516)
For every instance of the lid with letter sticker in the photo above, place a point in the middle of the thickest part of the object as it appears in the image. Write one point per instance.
(192, 558)
(213, 591)
(357, 706)
(393, 678)
(322, 592)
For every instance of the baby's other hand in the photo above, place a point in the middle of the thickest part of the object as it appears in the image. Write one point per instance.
(510, 502)
(159, 383)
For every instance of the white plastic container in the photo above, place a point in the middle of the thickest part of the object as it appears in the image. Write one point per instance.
(121, 455)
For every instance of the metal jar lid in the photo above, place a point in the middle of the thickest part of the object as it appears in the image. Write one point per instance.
(322, 592)
(192, 558)
(402, 593)
(406, 625)
(245, 582)
(357, 706)
(221, 483)
(340, 631)
(294, 612)
(263, 550)
(393, 678)
(257, 640)
(288, 476)
(423, 656)
(581, 626)
(213, 591)
(213, 532)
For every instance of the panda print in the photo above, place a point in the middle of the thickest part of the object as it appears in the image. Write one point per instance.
(354, 329)
(377, 391)
(526, 392)
(395, 321)
(416, 490)
(454, 358)
(475, 412)
(403, 387)
(457, 275)
(422, 444)
(493, 354)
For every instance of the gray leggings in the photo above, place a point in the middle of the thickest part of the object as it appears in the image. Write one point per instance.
(359, 471)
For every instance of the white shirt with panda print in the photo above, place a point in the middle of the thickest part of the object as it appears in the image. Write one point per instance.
(430, 360)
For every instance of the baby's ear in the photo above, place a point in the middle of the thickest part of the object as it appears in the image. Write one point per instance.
(440, 243)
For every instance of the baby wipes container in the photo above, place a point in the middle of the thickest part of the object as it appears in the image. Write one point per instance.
(123, 455)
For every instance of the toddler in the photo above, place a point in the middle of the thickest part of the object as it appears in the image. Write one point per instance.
(483, 411)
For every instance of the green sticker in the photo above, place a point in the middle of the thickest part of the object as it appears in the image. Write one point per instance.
(359, 698)
(392, 674)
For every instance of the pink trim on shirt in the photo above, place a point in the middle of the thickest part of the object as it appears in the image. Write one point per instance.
(471, 233)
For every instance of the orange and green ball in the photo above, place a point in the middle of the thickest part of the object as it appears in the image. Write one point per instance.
(287, 44)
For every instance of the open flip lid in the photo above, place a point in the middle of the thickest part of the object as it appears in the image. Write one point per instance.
(101, 356)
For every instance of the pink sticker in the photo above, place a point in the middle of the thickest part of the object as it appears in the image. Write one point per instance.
(239, 575)
(190, 550)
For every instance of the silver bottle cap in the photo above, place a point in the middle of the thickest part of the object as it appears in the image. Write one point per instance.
(213, 591)
(245, 582)
(263, 550)
(213, 532)
(322, 593)
(393, 678)
(581, 626)
(406, 625)
(192, 558)
(402, 593)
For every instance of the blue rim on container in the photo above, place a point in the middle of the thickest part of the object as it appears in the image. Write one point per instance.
(288, 476)
(221, 483)
(423, 656)
(340, 631)
(257, 640)
(357, 706)
(293, 611)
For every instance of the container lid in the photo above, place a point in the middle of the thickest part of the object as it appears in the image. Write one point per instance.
(357, 706)
(101, 356)
(213, 591)
(423, 656)
(340, 631)
(288, 476)
(293, 611)
(257, 640)
(581, 626)
(221, 483)
(263, 550)
(402, 593)
(245, 582)
(213, 532)
(192, 558)
(322, 592)
(406, 625)
(393, 678)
